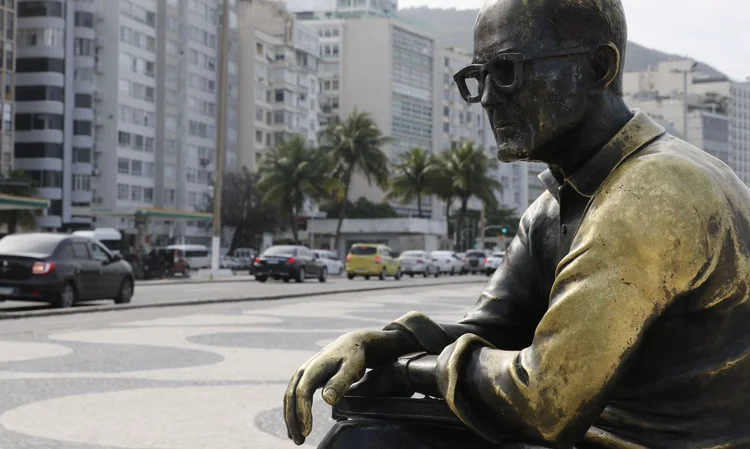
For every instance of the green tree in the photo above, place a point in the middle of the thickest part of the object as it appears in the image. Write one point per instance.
(290, 173)
(18, 183)
(412, 178)
(354, 146)
(470, 173)
(243, 208)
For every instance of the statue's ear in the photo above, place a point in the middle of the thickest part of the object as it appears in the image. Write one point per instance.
(605, 63)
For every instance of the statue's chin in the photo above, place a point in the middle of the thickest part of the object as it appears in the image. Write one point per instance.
(512, 154)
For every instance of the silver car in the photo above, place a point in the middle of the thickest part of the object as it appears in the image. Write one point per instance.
(418, 262)
(493, 262)
(474, 261)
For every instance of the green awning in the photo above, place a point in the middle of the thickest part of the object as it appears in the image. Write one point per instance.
(12, 202)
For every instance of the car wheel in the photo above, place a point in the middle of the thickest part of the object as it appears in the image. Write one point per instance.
(286, 280)
(398, 274)
(411, 275)
(126, 292)
(367, 278)
(426, 272)
(67, 297)
(261, 278)
(350, 276)
(382, 274)
(301, 275)
(323, 275)
(186, 272)
(453, 271)
(437, 273)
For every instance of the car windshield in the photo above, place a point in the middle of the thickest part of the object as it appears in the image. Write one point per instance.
(413, 254)
(475, 254)
(281, 251)
(498, 254)
(363, 250)
(29, 243)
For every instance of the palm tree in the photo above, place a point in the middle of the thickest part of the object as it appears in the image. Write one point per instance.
(354, 146)
(412, 178)
(469, 173)
(20, 184)
(288, 175)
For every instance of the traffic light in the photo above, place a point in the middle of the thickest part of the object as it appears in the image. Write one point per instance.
(505, 231)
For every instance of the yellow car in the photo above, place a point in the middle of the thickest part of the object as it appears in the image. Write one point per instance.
(371, 259)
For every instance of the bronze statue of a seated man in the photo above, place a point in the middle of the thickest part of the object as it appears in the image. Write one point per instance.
(619, 317)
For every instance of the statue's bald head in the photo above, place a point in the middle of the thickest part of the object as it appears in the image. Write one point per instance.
(548, 24)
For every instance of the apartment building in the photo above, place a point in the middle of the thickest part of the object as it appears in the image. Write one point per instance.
(7, 80)
(280, 89)
(739, 129)
(156, 111)
(54, 111)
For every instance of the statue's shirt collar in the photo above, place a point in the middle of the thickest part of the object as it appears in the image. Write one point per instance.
(638, 132)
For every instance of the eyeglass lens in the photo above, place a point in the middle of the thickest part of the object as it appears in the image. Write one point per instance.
(502, 73)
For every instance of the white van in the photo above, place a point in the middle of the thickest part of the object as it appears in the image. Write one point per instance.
(197, 255)
(109, 237)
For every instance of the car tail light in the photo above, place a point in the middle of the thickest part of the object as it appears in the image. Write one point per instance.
(420, 261)
(485, 260)
(291, 260)
(42, 268)
(257, 261)
(378, 259)
(349, 258)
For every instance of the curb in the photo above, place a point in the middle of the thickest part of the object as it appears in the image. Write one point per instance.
(194, 281)
(197, 302)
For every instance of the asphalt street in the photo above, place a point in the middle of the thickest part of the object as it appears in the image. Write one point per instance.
(194, 377)
(235, 288)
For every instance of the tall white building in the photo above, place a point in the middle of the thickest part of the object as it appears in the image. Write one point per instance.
(157, 64)
(54, 117)
(739, 129)
(279, 91)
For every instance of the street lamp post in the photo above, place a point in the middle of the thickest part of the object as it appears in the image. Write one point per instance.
(685, 108)
(220, 137)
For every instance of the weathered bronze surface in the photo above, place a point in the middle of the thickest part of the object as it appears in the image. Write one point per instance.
(619, 317)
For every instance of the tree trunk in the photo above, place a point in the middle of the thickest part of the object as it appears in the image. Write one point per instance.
(419, 204)
(13, 222)
(293, 218)
(462, 220)
(342, 211)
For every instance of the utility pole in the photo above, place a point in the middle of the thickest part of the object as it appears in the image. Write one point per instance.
(220, 137)
(482, 224)
(685, 106)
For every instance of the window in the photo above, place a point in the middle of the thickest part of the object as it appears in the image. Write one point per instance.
(123, 166)
(81, 155)
(83, 47)
(123, 191)
(169, 196)
(26, 65)
(136, 168)
(82, 183)
(40, 9)
(46, 178)
(38, 150)
(136, 193)
(98, 253)
(83, 101)
(80, 251)
(84, 19)
(82, 128)
(148, 195)
(33, 122)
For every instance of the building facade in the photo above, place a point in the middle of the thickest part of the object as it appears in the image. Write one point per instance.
(8, 35)
(54, 114)
(739, 129)
(280, 90)
(157, 90)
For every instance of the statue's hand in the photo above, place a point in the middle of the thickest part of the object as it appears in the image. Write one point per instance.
(335, 369)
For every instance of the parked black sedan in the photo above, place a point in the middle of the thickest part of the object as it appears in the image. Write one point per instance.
(61, 269)
(289, 262)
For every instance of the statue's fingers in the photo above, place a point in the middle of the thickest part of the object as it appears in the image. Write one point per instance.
(290, 410)
(340, 383)
(313, 378)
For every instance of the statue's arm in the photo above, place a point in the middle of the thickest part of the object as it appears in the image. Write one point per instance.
(633, 255)
(507, 312)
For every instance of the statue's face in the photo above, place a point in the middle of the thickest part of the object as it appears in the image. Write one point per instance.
(534, 105)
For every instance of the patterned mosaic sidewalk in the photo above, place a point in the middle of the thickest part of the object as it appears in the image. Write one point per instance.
(187, 381)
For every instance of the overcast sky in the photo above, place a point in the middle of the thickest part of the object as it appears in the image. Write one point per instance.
(716, 32)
